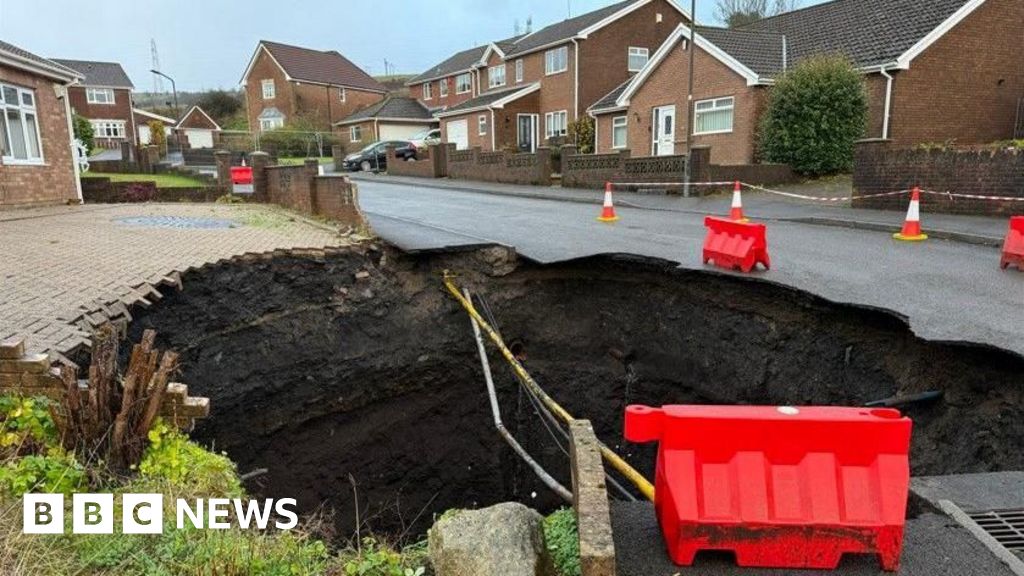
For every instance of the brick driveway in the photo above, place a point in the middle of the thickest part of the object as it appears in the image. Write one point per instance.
(60, 265)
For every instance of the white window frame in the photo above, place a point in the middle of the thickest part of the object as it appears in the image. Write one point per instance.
(111, 129)
(24, 110)
(549, 119)
(442, 88)
(428, 91)
(268, 124)
(635, 51)
(481, 125)
(718, 105)
(343, 94)
(493, 73)
(92, 96)
(355, 133)
(519, 71)
(620, 122)
(469, 83)
(272, 92)
(551, 60)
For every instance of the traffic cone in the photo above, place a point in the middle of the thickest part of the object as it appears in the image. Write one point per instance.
(736, 213)
(912, 226)
(608, 214)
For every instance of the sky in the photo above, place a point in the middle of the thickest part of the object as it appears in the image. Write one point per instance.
(207, 44)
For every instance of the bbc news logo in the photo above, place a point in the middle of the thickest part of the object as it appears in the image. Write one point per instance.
(144, 513)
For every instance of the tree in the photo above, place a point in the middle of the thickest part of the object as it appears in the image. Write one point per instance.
(581, 132)
(83, 131)
(157, 134)
(220, 104)
(815, 113)
(735, 13)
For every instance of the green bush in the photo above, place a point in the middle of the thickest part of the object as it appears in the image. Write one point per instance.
(815, 114)
(172, 457)
(582, 133)
(563, 541)
(157, 134)
(83, 131)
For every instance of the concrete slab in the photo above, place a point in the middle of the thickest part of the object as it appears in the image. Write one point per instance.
(973, 492)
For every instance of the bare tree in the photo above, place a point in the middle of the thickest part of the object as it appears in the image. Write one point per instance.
(734, 13)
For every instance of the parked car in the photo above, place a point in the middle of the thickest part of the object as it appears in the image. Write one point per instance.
(374, 157)
(427, 138)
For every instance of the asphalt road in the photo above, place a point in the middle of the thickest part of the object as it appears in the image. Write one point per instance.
(948, 291)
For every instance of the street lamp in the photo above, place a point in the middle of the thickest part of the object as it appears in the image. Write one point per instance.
(174, 89)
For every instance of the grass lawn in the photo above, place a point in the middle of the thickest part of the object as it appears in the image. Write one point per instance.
(299, 160)
(162, 180)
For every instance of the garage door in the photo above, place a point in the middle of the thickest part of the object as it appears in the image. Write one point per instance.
(200, 138)
(458, 133)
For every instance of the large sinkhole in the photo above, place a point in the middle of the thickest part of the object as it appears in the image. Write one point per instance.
(358, 368)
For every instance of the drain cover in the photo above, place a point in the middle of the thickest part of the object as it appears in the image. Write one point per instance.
(1006, 526)
(179, 222)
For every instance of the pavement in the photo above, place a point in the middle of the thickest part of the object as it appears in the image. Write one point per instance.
(948, 290)
(61, 264)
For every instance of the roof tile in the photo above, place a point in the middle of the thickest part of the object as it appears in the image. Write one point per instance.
(321, 67)
(105, 74)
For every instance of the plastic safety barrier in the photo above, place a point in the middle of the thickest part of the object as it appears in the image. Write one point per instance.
(779, 487)
(241, 174)
(736, 244)
(1013, 248)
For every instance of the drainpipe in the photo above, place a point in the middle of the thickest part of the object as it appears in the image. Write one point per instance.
(494, 146)
(576, 80)
(888, 101)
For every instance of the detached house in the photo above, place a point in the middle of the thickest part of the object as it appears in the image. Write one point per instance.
(527, 90)
(37, 162)
(457, 79)
(104, 96)
(285, 84)
(935, 70)
(394, 118)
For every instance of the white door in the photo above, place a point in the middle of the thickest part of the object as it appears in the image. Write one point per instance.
(458, 133)
(144, 134)
(200, 138)
(664, 132)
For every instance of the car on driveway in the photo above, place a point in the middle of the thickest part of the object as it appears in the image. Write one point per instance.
(427, 138)
(373, 158)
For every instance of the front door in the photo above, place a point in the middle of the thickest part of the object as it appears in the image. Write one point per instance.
(664, 132)
(527, 130)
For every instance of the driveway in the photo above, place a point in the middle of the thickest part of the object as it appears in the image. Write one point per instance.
(66, 268)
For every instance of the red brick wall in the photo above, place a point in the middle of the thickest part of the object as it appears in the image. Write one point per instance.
(197, 119)
(54, 181)
(264, 68)
(121, 109)
(966, 85)
(475, 139)
(437, 101)
(506, 121)
(368, 136)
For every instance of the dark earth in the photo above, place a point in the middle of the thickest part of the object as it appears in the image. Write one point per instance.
(371, 387)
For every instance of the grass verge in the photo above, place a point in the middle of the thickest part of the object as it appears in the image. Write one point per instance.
(161, 180)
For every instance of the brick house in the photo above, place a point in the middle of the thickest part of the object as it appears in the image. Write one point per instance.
(532, 87)
(457, 79)
(197, 128)
(37, 161)
(285, 84)
(394, 118)
(105, 98)
(142, 120)
(934, 71)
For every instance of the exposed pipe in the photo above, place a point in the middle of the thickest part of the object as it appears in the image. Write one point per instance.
(616, 461)
(546, 478)
(888, 102)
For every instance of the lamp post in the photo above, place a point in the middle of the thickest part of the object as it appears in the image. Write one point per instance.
(688, 168)
(174, 90)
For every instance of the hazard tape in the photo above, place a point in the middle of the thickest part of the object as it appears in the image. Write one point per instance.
(639, 184)
(822, 198)
(952, 195)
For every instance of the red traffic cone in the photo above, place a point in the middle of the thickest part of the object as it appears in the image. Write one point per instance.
(736, 213)
(912, 226)
(608, 213)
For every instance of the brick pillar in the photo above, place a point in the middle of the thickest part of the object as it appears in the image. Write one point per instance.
(544, 166)
(260, 161)
(222, 158)
(700, 163)
(390, 154)
(126, 153)
(152, 156)
(338, 155)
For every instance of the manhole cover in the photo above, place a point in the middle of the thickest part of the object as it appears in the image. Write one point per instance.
(1006, 526)
(179, 222)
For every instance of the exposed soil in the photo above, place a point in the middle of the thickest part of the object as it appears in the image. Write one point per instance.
(318, 376)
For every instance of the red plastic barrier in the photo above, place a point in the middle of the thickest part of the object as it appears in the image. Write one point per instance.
(241, 174)
(1013, 249)
(779, 487)
(736, 244)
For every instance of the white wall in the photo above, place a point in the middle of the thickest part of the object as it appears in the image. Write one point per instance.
(401, 131)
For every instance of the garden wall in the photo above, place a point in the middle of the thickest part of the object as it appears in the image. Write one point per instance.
(504, 167)
(881, 167)
(103, 191)
(300, 188)
(431, 162)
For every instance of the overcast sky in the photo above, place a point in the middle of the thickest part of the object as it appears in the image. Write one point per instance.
(207, 44)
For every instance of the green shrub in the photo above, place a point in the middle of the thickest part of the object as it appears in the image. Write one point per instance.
(582, 133)
(290, 142)
(171, 456)
(815, 114)
(25, 421)
(373, 558)
(56, 471)
(563, 541)
(157, 134)
(83, 131)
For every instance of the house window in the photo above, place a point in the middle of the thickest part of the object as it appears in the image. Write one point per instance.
(355, 134)
(556, 123)
(19, 126)
(428, 91)
(268, 89)
(443, 85)
(556, 60)
(713, 116)
(343, 95)
(267, 124)
(519, 71)
(638, 58)
(481, 123)
(620, 130)
(99, 95)
(463, 83)
(496, 76)
(108, 128)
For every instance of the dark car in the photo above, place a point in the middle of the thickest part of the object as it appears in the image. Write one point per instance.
(374, 157)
